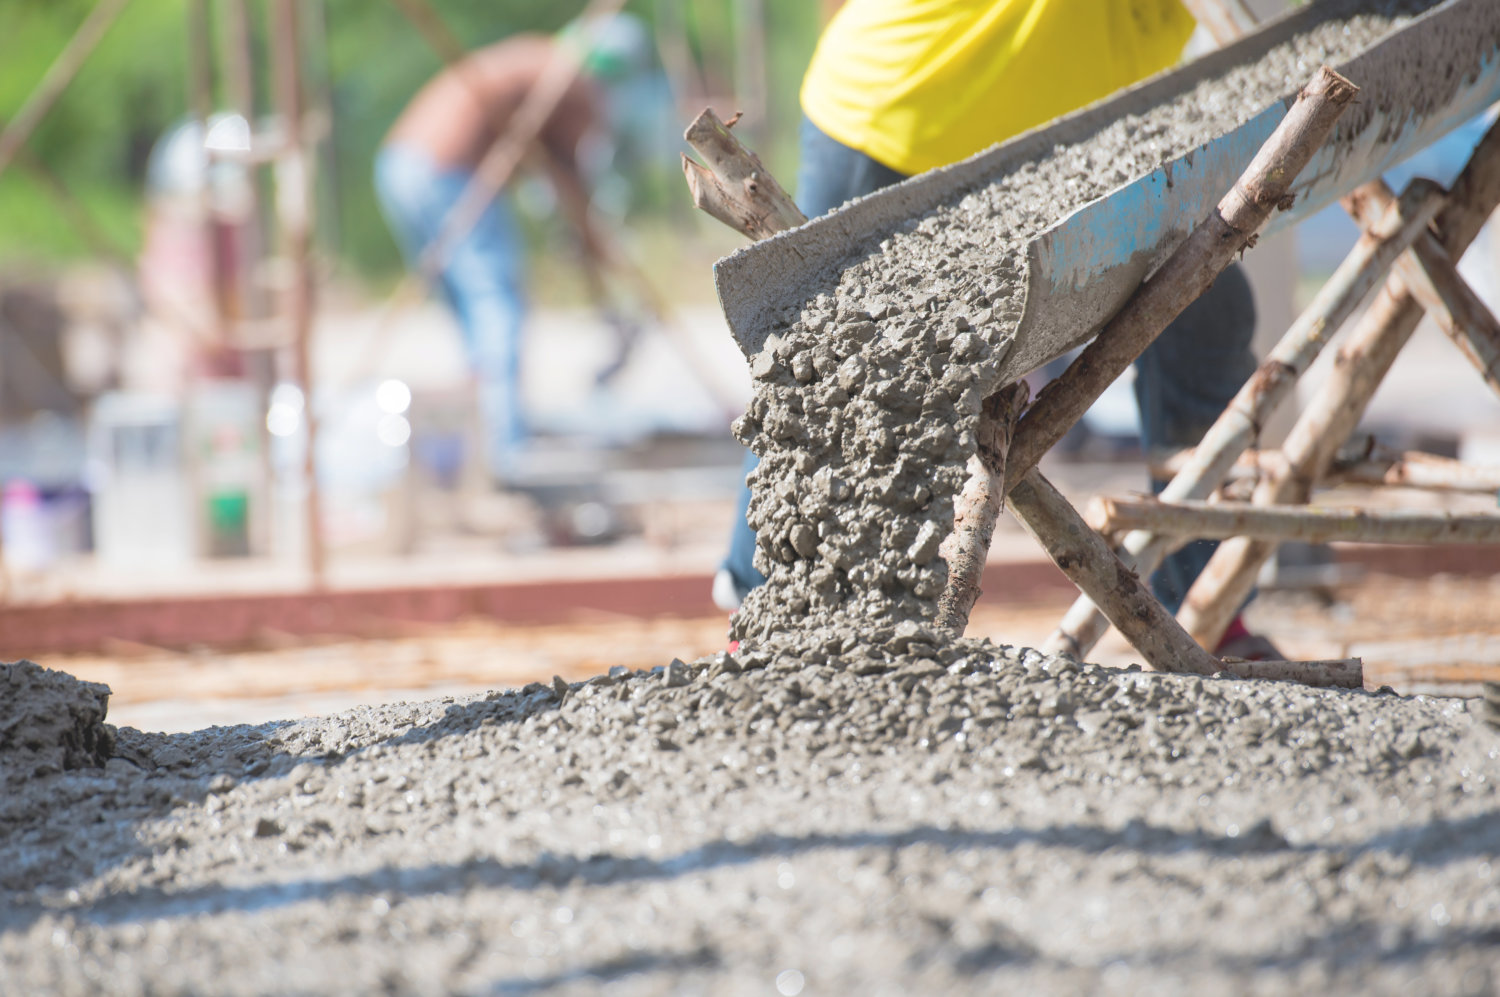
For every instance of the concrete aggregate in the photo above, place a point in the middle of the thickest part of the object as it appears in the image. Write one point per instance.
(905, 815)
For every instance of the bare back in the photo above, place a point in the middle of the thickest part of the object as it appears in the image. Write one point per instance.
(458, 114)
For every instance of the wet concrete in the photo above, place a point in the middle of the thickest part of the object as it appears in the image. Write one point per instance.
(49, 721)
(954, 818)
(867, 396)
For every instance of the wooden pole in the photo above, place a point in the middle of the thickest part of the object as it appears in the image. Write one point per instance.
(1432, 277)
(1089, 562)
(1269, 387)
(750, 64)
(1371, 465)
(733, 186)
(1334, 673)
(293, 200)
(61, 73)
(978, 506)
(1363, 361)
(1221, 520)
(1188, 272)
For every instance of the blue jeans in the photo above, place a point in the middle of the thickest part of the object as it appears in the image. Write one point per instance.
(1183, 380)
(481, 282)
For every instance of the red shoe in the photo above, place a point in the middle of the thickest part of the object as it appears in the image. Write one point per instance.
(1238, 642)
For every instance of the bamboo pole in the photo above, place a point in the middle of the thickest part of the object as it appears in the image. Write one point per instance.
(1362, 363)
(61, 73)
(1189, 271)
(1273, 382)
(505, 154)
(495, 168)
(1221, 520)
(733, 186)
(978, 506)
(750, 83)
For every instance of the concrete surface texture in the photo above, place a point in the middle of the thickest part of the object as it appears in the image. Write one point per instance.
(962, 818)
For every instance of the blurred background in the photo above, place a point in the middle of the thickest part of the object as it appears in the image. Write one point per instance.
(232, 424)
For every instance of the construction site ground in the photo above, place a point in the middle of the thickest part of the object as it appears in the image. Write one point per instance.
(1439, 635)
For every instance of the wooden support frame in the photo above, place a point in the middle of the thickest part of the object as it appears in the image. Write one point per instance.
(1369, 464)
(1186, 275)
(1091, 564)
(1363, 361)
(1274, 381)
(1188, 272)
(978, 506)
(1221, 520)
(1432, 277)
(1332, 673)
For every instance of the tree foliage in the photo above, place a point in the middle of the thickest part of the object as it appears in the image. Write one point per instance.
(97, 138)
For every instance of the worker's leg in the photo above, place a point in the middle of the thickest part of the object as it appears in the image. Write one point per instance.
(482, 283)
(1183, 382)
(485, 275)
(829, 174)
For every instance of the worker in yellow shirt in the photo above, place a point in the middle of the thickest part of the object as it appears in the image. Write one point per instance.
(897, 87)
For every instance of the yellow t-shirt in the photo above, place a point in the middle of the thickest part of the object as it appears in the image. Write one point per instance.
(917, 84)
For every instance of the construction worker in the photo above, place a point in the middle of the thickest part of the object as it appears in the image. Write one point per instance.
(897, 87)
(429, 158)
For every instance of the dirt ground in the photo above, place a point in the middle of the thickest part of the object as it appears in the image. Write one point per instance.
(1435, 636)
(910, 819)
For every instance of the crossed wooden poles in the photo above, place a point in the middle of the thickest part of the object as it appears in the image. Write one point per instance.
(1420, 234)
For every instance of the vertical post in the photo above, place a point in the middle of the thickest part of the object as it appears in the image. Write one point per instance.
(238, 60)
(293, 195)
(237, 56)
(201, 100)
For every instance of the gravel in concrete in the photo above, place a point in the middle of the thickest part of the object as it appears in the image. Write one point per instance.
(909, 817)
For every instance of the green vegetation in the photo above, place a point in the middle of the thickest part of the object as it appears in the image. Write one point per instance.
(96, 140)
